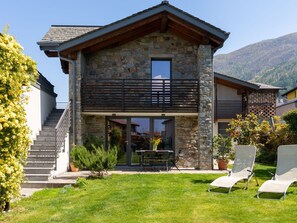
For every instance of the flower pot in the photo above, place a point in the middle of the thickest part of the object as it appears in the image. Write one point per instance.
(73, 168)
(223, 164)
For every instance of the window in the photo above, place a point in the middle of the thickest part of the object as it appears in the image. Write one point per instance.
(222, 126)
(161, 75)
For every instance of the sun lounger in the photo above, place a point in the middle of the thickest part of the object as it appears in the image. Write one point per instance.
(242, 168)
(286, 171)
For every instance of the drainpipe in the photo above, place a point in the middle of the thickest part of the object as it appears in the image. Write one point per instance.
(73, 62)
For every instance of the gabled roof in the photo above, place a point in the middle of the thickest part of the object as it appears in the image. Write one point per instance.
(289, 91)
(161, 18)
(238, 83)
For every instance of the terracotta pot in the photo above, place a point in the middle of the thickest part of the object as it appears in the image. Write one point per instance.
(73, 168)
(223, 164)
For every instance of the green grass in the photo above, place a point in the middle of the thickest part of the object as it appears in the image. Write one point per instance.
(154, 198)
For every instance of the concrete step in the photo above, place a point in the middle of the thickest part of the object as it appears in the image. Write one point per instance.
(45, 133)
(47, 184)
(37, 170)
(42, 152)
(49, 164)
(38, 147)
(41, 158)
(46, 138)
(37, 177)
(48, 128)
(43, 144)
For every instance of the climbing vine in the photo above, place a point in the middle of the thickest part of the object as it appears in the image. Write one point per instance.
(17, 72)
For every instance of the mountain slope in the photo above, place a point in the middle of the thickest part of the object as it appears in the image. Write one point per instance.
(271, 61)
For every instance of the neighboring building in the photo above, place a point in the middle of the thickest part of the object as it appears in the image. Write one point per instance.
(289, 104)
(154, 68)
(234, 96)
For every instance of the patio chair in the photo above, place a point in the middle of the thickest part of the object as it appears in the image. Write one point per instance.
(286, 171)
(242, 168)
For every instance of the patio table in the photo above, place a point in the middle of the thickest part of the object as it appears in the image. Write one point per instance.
(153, 156)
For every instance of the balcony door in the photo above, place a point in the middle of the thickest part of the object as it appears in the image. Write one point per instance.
(161, 76)
(134, 133)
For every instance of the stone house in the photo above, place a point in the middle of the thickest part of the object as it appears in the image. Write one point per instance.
(153, 68)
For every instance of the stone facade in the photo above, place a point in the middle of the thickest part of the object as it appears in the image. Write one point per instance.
(193, 134)
(133, 60)
(206, 114)
(187, 140)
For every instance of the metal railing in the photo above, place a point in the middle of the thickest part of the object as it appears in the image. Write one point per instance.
(61, 129)
(149, 95)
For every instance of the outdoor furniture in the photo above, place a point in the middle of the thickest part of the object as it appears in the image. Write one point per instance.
(154, 157)
(242, 168)
(286, 171)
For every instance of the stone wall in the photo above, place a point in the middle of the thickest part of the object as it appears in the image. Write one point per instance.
(133, 60)
(94, 125)
(205, 121)
(186, 140)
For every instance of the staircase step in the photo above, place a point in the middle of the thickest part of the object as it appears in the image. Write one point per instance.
(37, 177)
(48, 128)
(45, 138)
(41, 158)
(45, 133)
(49, 164)
(37, 170)
(37, 143)
(42, 152)
(34, 147)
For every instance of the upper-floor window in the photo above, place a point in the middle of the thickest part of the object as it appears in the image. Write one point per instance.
(161, 75)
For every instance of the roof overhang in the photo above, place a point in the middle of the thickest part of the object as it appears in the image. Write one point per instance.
(163, 18)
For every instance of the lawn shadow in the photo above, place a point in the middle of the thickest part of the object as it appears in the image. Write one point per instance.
(272, 196)
(201, 181)
(225, 190)
(264, 174)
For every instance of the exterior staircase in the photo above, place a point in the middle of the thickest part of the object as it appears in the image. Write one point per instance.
(42, 155)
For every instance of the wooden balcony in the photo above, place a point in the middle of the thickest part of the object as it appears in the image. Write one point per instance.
(140, 95)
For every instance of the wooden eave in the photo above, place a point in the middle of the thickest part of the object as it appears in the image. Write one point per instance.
(163, 22)
(240, 89)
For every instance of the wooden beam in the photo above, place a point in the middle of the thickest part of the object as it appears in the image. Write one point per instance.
(120, 40)
(51, 53)
(164, 22)
(195, 29)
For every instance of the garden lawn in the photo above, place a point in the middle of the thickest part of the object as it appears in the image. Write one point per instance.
(154, 198)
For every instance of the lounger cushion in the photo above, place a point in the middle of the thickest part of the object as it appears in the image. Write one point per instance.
(226, 181)
(274, 186)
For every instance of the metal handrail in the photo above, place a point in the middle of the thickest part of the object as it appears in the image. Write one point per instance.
(61, 130)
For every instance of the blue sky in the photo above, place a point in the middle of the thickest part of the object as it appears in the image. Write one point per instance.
(248, 21)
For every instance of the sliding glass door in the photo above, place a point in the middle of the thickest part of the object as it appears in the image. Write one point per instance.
(135, 133)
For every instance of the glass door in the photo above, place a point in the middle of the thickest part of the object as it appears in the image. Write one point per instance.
(117, 136)
(136, 133)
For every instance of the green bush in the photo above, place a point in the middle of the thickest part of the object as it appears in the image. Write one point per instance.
(291, 119)
(245, 130)
(90, 141)
(98, 160)
(222, 146)
(266, 136)
(17, 71)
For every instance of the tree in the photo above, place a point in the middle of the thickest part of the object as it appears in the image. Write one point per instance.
(17, 72)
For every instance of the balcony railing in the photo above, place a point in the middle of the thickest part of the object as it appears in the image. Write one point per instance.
(140, 95)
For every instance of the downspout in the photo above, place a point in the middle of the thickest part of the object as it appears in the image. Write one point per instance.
(73, 63)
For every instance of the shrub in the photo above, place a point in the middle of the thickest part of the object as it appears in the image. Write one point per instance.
(90, 141)
(291, 119)
(222, 146)
(98, 160)
(245, 130)
(17, 71)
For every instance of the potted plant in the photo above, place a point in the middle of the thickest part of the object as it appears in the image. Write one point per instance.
(222, 147)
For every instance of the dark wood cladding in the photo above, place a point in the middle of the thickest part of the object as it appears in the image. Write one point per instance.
(140, 95)
(228, 109)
